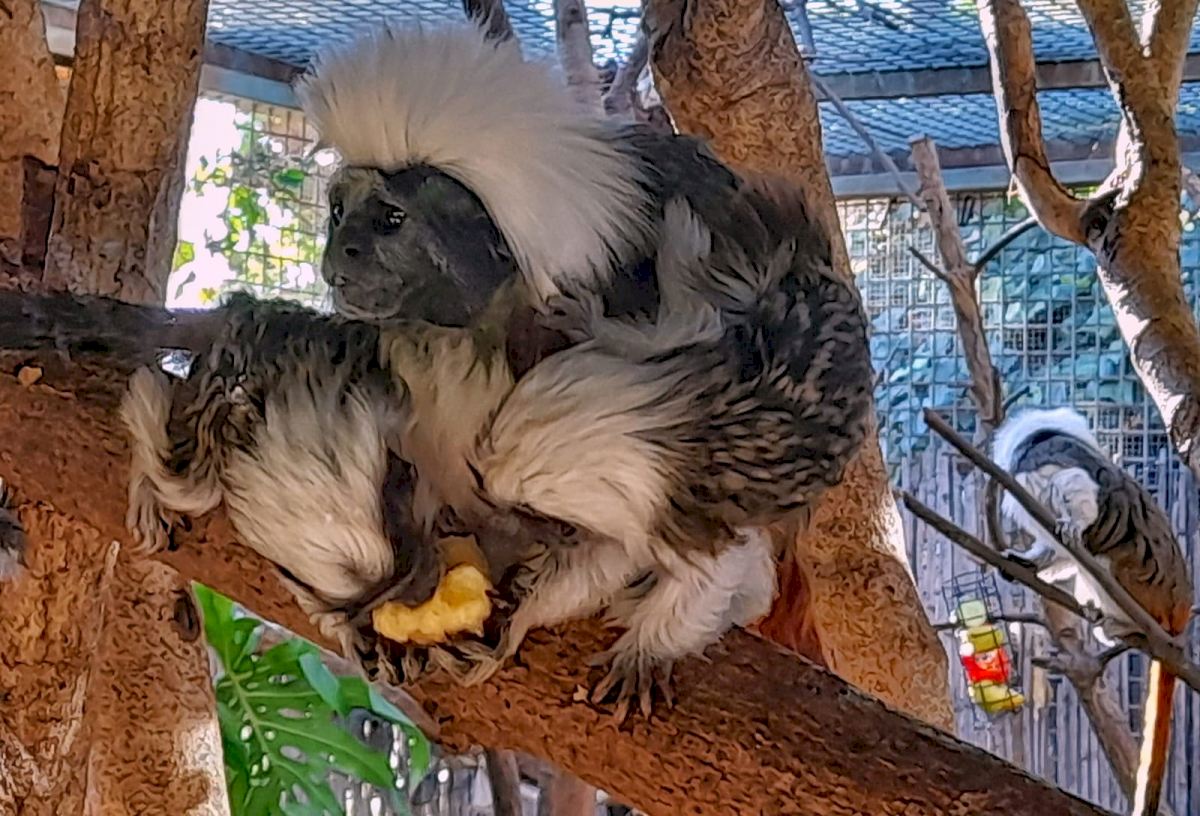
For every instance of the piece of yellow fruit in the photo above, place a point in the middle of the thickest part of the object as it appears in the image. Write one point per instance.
(460, 604)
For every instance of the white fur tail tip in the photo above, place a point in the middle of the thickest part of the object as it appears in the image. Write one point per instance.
(12, 536)
(145, 410)
(510, 130)
(1020, 426)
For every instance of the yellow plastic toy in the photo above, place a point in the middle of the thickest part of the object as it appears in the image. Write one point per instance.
(460, 604)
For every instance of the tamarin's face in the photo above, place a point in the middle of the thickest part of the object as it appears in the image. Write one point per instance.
(411, 245)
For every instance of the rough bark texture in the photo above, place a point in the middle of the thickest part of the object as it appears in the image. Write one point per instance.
(156, 746)
(48, 645)
(30, 121)
(109, 705)
(852, 559)
(129, 112)
(755, 730)
(568, 795)
(1083, 669)
(504, 777)
(1133, 228)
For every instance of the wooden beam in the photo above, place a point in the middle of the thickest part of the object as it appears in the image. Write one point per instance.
(755, 729)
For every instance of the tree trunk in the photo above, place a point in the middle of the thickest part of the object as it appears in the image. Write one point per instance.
(156, 746)
(852, 560)
(30, 121)
(109, 704)
(124, 142)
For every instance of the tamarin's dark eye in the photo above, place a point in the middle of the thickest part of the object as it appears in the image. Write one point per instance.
(394, 216)
(335, 213)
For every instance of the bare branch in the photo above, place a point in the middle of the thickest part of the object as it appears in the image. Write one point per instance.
(575, 52)
(493, 17)
(1009, 39)
(959, 276)
(619, 101)
(505, 778)
(1007, 617)
(869, 140)
(928, 263)
(1157, 642)
(808, 45)
(1009, 569)
(1011, 234)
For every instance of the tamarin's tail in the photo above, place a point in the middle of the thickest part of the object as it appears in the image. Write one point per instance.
(1156, 741)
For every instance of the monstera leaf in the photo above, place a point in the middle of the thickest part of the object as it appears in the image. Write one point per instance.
(278, 715)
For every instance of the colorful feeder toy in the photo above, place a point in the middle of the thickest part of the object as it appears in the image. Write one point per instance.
(984, 648)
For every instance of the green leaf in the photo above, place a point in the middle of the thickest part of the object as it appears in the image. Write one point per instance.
(291, 177)
(278, 713)
(322, 680)
(185, 253)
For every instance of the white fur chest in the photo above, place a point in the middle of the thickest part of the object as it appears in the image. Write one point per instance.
(454, 394)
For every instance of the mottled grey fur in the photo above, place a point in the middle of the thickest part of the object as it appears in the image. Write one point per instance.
(716, 382)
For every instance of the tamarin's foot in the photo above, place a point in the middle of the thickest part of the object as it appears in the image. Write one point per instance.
(634, 675)
(1070, 532)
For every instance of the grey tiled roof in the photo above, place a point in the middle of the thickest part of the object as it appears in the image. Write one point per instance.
(851, 36)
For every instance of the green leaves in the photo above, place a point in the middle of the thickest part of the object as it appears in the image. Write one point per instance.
(278, 714)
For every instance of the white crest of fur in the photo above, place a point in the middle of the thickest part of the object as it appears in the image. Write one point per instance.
(548, 171)
(1020, 427)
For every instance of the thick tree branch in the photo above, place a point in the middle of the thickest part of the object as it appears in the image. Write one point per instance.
(1115, 36)
(1009, 40)
(828, 742)
(1166, 32)
(30, 123)
(959, 275)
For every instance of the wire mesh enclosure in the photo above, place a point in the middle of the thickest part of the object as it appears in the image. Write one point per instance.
(1055, 341)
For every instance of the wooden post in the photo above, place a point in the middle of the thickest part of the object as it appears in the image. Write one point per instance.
(863, 607)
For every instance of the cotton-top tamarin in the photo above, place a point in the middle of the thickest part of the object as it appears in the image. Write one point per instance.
(1053, 454)
(717, 378)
